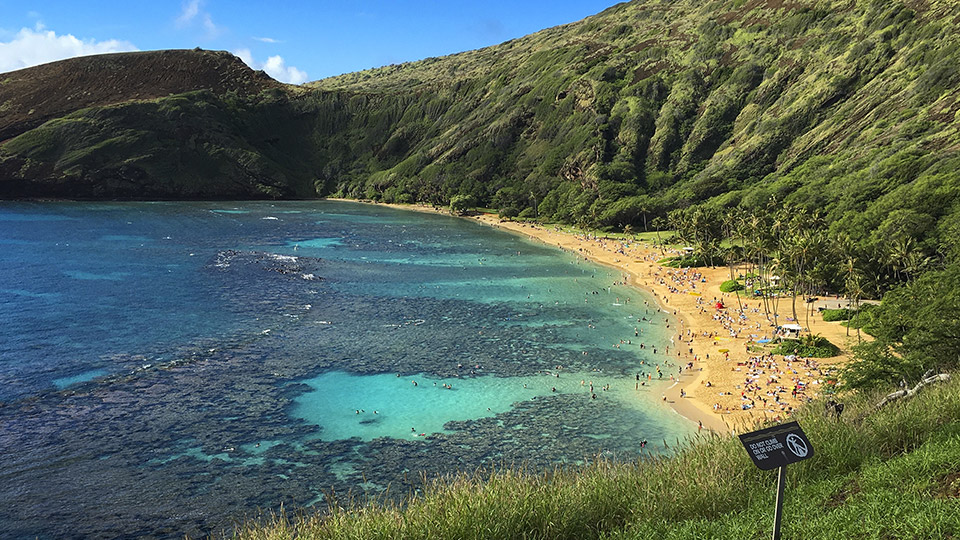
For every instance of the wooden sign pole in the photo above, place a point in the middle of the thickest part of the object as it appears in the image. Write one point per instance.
(778, 512)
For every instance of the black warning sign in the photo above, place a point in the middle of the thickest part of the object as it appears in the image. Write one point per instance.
(777, 446)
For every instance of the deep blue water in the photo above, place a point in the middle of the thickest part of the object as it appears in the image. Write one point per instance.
(169, 368)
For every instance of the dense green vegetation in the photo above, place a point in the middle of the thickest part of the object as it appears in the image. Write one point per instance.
(846, 108)
(652, 106)
(893, 475)
(916, 329)
(193, 145)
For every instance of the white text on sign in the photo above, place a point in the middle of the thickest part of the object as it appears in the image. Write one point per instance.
(762, 448)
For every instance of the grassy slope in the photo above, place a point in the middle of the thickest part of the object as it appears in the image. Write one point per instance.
(895, 475)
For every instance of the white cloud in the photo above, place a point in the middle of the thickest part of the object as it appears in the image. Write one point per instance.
(191, 12)
(278, 69)
(275, 66)
(267, 39)
(33, 46)
(208, 25)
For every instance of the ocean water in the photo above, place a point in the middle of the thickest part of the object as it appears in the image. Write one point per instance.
(172, 368)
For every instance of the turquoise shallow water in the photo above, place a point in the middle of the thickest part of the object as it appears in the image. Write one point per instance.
(407, 407)
(229, 357)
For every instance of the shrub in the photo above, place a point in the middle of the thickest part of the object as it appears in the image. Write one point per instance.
(862, 318)
(528, 213)
(808, 346)
(856, 318)
(833, 315)
(731, 285)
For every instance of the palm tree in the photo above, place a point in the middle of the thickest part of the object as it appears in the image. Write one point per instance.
(658, 224)
(853, 287)
(894, 254)
(734, 229)
(801, 251)
(915, 263)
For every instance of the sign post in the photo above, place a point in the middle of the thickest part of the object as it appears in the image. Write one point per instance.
(778, 511)
(775, 448)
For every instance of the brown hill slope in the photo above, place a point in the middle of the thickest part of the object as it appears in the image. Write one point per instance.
(31, 96)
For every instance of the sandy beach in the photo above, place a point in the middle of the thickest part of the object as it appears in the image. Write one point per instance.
(729, 381)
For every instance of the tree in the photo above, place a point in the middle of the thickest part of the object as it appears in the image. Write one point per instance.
(459, 204)
(701, 227)
(917, 328)
(853, 284)
(732, 226)
(506, 197)
(509, 212)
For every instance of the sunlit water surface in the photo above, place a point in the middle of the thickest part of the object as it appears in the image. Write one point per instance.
(168, 368)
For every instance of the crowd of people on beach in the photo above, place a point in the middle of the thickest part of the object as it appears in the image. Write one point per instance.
(767, 382)
(682, 281)
(771, 385)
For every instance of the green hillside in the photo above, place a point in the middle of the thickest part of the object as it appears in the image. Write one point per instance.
(849, 108)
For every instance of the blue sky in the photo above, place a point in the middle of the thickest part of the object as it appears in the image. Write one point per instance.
(293, 41)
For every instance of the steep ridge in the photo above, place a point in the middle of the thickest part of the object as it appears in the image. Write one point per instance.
(31, 96)
(183, 124)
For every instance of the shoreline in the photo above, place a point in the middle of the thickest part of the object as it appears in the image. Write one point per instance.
(690, 408)
(725, 377)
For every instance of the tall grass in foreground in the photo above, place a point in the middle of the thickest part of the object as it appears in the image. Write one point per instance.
(894, 475)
